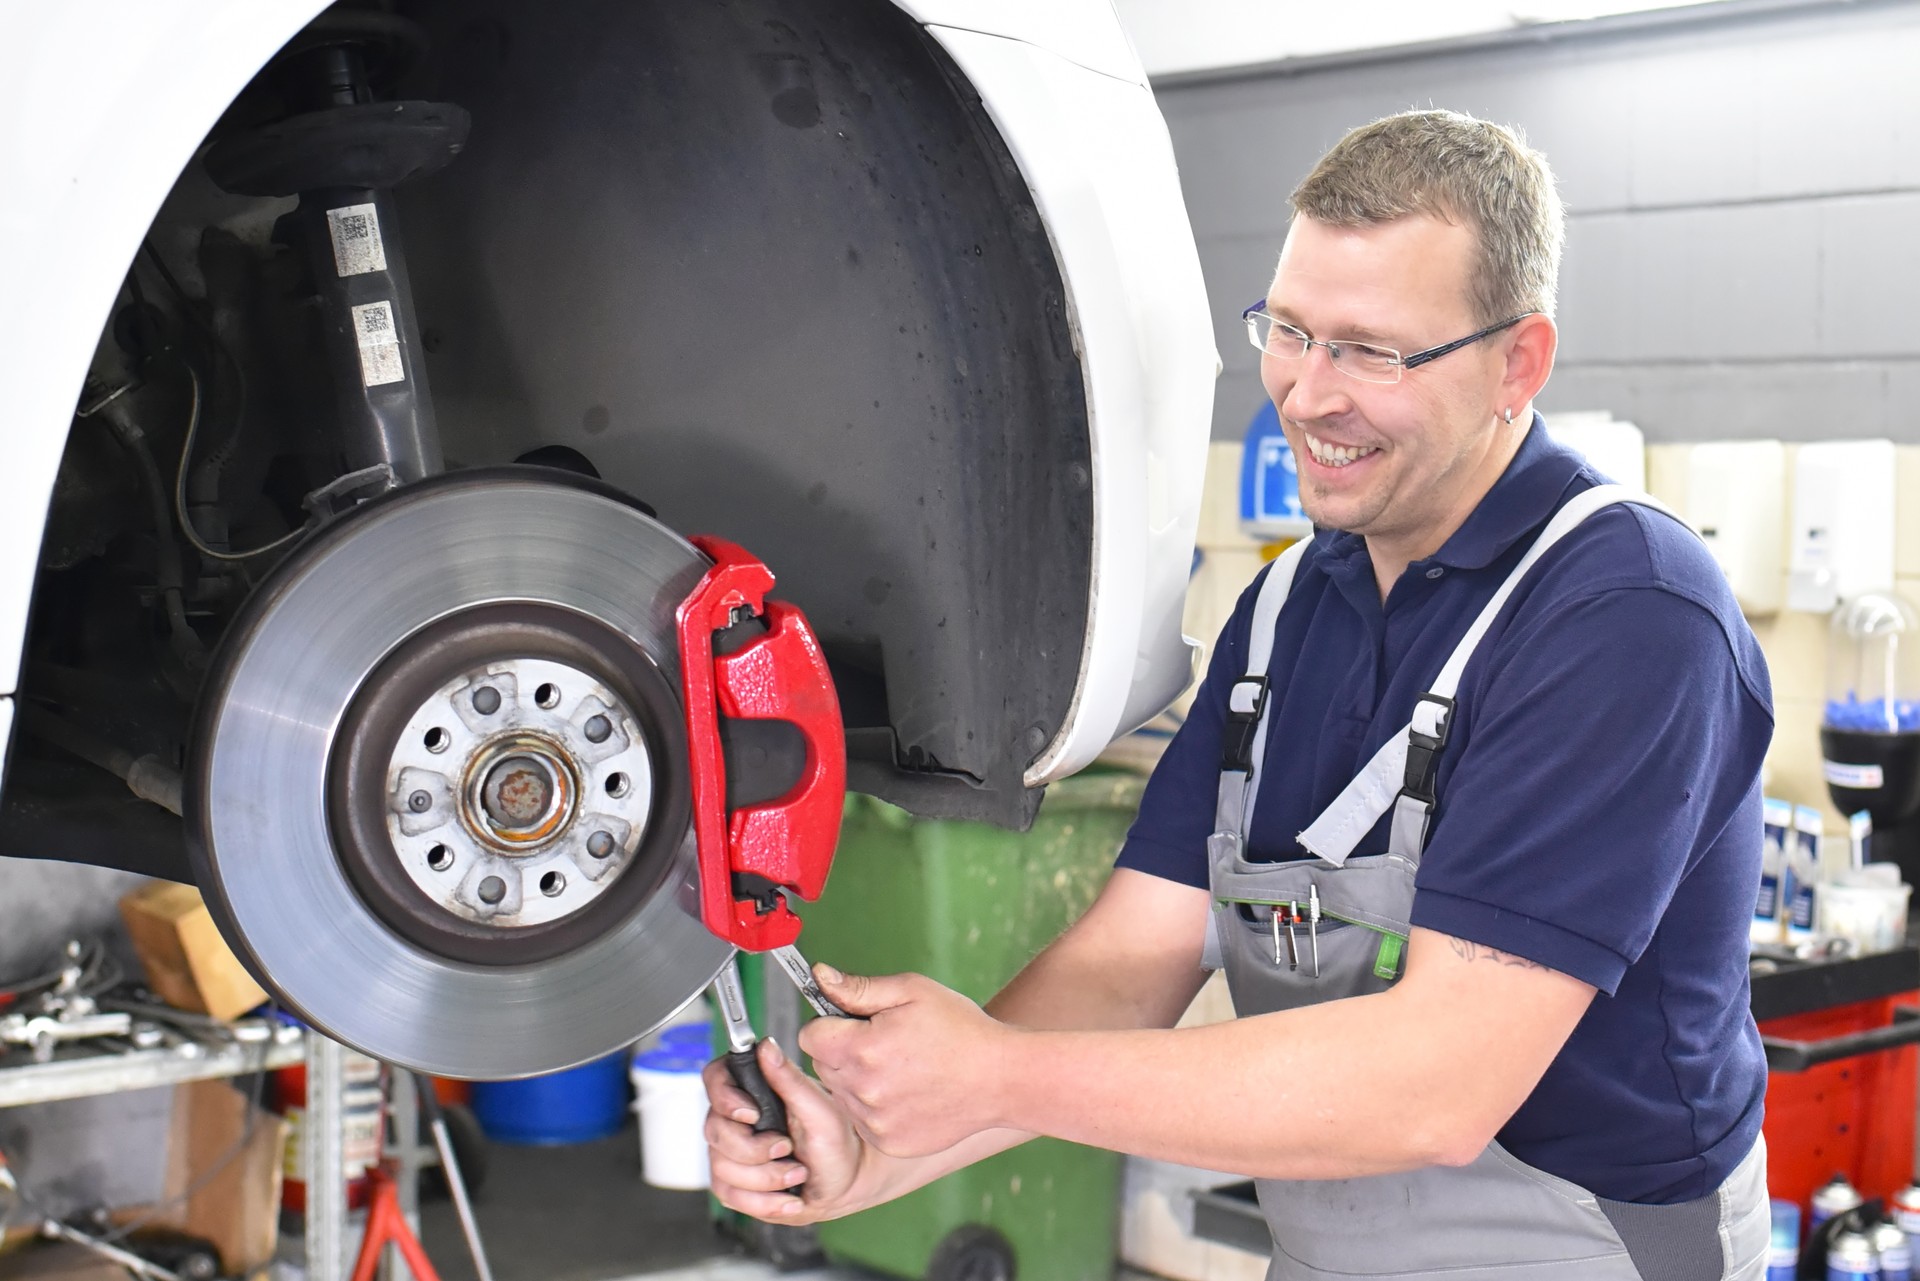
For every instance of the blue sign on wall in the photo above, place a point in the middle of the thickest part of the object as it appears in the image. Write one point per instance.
(1270, 481)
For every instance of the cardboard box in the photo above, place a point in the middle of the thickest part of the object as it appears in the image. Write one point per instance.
(188, 964)
(218, 1178)
(236, 1207)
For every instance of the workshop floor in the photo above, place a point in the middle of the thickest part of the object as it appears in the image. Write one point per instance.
(581, 1213)
(575, 1213)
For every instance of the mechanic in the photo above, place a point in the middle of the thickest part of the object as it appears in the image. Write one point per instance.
(1560, 817)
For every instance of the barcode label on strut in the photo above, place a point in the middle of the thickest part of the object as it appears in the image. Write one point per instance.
(357, 247)
(379, 345)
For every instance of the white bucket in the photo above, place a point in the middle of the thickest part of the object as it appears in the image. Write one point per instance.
(671, 1101)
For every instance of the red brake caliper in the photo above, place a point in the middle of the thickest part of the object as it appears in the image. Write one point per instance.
(752, 858)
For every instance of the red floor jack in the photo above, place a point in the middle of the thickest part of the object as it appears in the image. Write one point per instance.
(386, 1225)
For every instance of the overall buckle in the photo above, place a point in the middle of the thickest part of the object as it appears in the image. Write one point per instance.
(1246, 703)
(1426, 737)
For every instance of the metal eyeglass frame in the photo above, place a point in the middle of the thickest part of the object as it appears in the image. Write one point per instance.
(1400, 363)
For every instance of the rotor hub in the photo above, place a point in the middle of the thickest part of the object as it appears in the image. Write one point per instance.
(517, 791)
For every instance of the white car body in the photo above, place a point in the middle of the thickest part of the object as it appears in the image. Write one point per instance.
(109, 101)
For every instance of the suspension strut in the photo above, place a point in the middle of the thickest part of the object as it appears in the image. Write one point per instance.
(342, 152)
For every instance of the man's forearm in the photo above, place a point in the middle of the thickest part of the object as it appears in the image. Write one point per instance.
(1423, 1074)
(1265, 1097)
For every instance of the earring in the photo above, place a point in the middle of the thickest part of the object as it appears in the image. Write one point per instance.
(1508, 413)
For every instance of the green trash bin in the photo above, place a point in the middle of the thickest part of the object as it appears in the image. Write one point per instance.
(967, 905)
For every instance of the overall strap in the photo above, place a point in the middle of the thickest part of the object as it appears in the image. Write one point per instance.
(1244, 739)
(1401, 774)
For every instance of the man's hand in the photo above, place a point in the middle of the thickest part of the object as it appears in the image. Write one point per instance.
(922, 1069)
(755, 1173)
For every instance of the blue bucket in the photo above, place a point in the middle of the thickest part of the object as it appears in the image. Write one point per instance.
(575, 1106)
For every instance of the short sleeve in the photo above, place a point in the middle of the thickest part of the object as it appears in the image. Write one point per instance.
(1169, 838)
(1610, 744)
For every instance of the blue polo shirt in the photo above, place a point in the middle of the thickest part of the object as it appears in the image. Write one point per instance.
(1599, 799)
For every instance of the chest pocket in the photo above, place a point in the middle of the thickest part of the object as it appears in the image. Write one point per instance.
(1301, 932)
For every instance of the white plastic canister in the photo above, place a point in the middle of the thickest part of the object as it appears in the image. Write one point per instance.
(671, 1101)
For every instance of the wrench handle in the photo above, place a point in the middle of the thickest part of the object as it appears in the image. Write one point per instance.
(744, 1067)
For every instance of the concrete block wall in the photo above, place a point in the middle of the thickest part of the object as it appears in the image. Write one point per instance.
(1741, 191)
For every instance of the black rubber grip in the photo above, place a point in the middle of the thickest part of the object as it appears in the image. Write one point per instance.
(744, 1067)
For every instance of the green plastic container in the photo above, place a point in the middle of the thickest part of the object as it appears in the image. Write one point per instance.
(968, 905)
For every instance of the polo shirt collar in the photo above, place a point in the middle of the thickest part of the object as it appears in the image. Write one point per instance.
(1526, 495)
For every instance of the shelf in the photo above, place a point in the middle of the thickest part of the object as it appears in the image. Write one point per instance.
(260, 1046)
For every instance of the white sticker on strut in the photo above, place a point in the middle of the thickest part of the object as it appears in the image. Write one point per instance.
(357, 247)
(379, 345)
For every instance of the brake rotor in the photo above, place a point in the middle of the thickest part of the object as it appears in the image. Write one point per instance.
(439, 797)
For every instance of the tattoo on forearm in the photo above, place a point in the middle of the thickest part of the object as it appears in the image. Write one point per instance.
(1477, 952)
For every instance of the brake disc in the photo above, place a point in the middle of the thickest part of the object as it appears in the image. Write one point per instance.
(438, 795)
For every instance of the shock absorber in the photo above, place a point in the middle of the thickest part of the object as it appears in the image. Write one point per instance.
(342, 153)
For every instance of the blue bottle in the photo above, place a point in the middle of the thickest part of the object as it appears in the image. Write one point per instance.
(1783, 1255)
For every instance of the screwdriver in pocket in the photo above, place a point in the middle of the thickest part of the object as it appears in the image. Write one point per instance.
(1313, 924)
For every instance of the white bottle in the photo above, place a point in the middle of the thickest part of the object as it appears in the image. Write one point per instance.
(1803, 874)
(1769, 923)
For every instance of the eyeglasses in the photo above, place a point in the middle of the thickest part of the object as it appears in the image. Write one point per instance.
(1366, 361)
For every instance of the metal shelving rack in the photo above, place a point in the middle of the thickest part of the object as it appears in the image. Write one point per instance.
(257, 1045)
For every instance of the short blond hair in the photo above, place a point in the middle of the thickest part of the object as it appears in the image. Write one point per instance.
(1463, 171)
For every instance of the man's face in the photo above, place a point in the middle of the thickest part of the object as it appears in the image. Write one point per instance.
(1427, 446)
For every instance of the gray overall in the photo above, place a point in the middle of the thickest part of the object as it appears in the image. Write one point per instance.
(1497, 1219)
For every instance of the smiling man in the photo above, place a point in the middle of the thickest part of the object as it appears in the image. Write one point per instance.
(1467, 808)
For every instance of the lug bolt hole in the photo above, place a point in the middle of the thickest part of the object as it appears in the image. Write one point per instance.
(552, 883)
(598, 729)
(486, 700)
(439, 858)
(438, 740)
(548, 695)
(618, 785)
(420, 802)
(600, 844)
(492, 890)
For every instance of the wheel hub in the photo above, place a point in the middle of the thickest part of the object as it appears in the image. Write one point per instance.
(517, 792)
